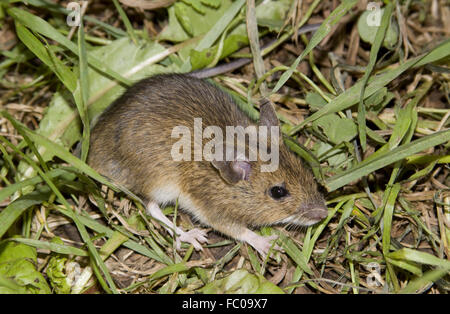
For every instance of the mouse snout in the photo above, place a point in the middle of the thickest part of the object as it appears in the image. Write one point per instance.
(316, 212)
(309, 213)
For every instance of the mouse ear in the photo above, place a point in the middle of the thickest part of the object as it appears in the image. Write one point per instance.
(267, 116)
(233, 171)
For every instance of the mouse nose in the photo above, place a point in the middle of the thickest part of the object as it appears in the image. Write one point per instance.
(318, 213)
(315, 211)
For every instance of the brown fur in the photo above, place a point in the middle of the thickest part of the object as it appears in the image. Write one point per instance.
(131, 144)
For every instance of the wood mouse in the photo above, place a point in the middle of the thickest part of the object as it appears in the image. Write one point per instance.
(132, 144)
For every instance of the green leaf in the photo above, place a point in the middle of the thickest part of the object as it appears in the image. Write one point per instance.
(174, 268)
(17, 271)
(337, 129)
(192, 22)
(204, 54)
(368, 32)
(423, 172)
(272, 14)
(308, 249)
(211, 3)
(315, 101)
(56, 271)
(241, 282)
(222, 23)
(335, 157)
(232, 43)
(57, 150)
(56, 274)
(181, 12)
(196, 4)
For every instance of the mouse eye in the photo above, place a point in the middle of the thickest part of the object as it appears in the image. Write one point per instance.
(277, 192)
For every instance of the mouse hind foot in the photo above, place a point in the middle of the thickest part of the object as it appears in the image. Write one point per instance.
(195, 236)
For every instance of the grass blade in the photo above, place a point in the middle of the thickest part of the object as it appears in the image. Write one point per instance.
(64, 154)
(387, 217)
(99, 228)
(42, 27)
(14, 210)
(379, 37)
(13, 188)
(81, 228)
(419, 257)
(320, 34)
(351, 96)
(429, 277)
(52, 246)
(294, 252)
(387, 158)
(66, 76)
(126, 22)
(83, 92)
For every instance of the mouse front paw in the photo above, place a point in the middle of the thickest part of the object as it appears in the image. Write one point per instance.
(260, 243)
(194, 236)
(263, 245)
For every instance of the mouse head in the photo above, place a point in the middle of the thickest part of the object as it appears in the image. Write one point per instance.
(287, 194)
